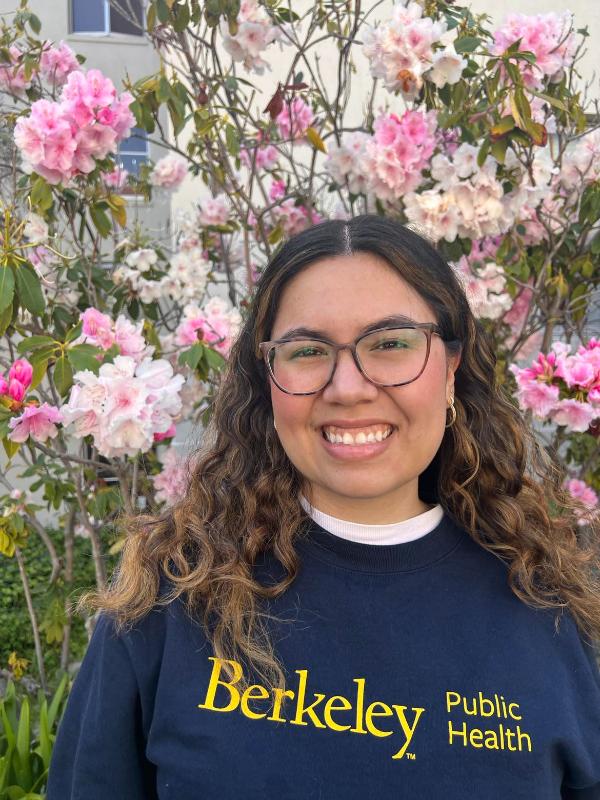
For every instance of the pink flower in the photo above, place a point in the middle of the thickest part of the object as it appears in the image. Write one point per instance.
(294, 119)
(117, 179)
(170, 485)
(62, 140)
(168, 434)
(97, 327)
(398, 153)
(3, 385)
(12, 76)
(21, 370)
(583, 492)
(16, 390)
(277, 190)
(264, 157)
(37, 422)
(574, 415)
(548, 36)
(169, 171)
(214, 210)
(57, 63)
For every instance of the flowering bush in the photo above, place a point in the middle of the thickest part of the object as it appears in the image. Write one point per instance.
(112, 341)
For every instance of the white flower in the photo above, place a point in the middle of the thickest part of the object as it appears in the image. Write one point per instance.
(35, 228)
(142, 260)
(447, 67)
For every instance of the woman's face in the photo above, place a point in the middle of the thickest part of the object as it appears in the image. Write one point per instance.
(340, 296)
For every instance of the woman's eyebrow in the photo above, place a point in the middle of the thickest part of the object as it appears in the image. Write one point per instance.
(393, 319)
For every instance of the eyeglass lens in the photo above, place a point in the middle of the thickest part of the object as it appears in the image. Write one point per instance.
(394, 355)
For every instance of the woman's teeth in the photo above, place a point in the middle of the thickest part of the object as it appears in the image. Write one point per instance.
(359, 438)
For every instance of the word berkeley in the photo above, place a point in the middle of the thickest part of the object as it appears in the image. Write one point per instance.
(305, 714)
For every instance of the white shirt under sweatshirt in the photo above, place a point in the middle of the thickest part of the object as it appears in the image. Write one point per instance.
(394, 533)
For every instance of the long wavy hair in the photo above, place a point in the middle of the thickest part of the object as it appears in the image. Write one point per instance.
(490, 475)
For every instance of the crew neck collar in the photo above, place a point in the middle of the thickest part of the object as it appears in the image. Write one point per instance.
(404, 557)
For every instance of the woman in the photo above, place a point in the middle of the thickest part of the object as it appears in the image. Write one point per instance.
(368, 589)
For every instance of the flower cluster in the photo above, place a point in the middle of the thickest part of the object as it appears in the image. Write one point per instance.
(548, 36)
(61, 140)
(216, 323)
(19, 380)
(169, 171)
(484, 288)
(466, 201)
(402, 53)
(562, 387)
(294, 119)
(255, 32)
(125, 405)
(264, 157)
(214, 210)
(398, 152)
(57, 63)
(344, 162)
(99, 329)
(586, 495)
(171, 484)
(581, 161)
(116, 178)
(12, 75)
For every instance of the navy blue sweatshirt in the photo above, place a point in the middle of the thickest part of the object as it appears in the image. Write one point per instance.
(413, 672)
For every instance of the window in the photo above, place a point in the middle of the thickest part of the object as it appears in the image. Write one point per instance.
(133, 151)
(102, 17)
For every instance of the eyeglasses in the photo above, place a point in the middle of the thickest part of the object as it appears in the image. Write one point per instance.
(386, 357)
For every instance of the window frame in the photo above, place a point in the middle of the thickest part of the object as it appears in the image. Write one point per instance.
(107, 29)
(145, 153)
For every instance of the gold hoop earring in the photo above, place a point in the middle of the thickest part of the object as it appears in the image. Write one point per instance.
(453, 412)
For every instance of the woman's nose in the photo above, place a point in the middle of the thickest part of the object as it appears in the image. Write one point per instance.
(348, 382)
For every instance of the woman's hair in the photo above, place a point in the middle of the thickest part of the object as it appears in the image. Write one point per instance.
(489, 474)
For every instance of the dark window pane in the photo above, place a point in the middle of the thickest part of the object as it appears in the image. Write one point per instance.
(126, 17)
(136, 143)
(89, 16)
(131, 163)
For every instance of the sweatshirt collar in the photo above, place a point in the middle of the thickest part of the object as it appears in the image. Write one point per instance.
(425, 551)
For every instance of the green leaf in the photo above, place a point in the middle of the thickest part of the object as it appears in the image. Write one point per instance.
(40, 367)
(22, 763)
(467, 44)
(41, 194)
(214, 359)
(163, 91)
(193, 356)
(83, 356)
(182, 17)
(74, 333)
(232, 139)
(6, 316)
(553, 101)
(33, 342)
(35, 24)
(101, 220)
(63, 375)
(7, 287)
(30, 290)
(162, 11)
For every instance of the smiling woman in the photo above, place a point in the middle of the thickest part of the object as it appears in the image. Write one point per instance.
(375, 585)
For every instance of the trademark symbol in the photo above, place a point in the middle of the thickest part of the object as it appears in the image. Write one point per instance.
(411, 756)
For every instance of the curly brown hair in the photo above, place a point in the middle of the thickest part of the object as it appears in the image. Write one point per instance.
(490, 475)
